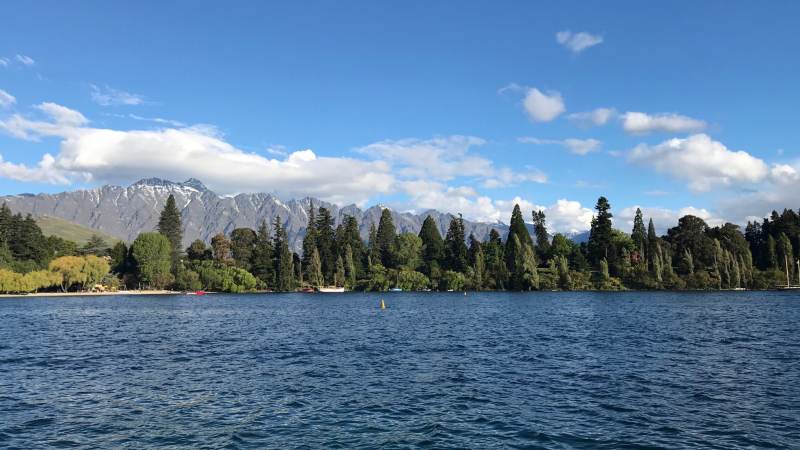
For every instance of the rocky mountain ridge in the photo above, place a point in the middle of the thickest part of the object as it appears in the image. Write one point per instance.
(124, 212)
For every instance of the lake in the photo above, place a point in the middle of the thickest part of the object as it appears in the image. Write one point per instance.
(433, 370)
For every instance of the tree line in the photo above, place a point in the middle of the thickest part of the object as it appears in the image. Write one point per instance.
(691, 255)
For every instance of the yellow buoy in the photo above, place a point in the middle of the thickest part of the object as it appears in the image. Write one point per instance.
(383, 305)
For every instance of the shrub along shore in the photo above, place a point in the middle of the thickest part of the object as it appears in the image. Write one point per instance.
(691, 255)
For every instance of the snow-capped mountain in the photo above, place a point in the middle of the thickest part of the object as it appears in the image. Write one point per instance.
(125, 212)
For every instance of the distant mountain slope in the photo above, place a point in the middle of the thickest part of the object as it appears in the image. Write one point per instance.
(124, 212)
(53, 226)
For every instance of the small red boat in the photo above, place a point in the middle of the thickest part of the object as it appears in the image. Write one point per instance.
(196, 293)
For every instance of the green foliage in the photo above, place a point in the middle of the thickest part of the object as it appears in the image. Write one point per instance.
(81, 272)
(169, 224)
(96, 245)
(242, 241)
(432, 246)
(601, 233)
(385, 239)
(409, 251)
(542, 237)
(452, 281)
(409, 280)
(262, 265)
(221, 249)
(455, 250)
(197, 251)
(152, 253)
(314, 270)
(13, 282)
(285, 279)
(215, 276)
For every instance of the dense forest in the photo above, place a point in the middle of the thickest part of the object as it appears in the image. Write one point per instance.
(691, 255)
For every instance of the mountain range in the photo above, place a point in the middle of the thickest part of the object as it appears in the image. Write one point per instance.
(124, 212)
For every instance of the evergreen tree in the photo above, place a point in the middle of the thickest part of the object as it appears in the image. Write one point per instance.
(477, 262)
(326, 244)
(385, 239)
(564, 277)
(638, 235)
(357, 248)
(243, 241)
(119, 259)
(309, 240)
(374, 254)
(601, 233)
(284, 262)
(314, 270)
(771, 253)
(262, 263)
(516, 228)
(497, 271)
(542, 238)
(454, 247)
(349, 266)
(169, 224)
(432, 246)
(339, 278)
(221, 248)
(198, 251)
(96, 245)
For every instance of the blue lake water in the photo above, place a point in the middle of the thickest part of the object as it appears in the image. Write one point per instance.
(434, 370)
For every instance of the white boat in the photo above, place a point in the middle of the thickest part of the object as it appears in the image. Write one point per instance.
(331, 289)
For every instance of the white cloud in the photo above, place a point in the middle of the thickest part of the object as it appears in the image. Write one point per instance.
(106, 155)
(445, 158)
(576, 146)
(6, 99)
(45, 172)
(64, 121)
(780, 190)
(158, 120)
(26, 60)
(663, 218)
(642, 123)
(564, 216)
(701, 161)
(543, 107)
(568, 216)
(577, 42)
(4, 62)
(595, 117)
(108, 96)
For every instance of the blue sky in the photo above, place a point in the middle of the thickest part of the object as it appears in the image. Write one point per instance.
(467, 107)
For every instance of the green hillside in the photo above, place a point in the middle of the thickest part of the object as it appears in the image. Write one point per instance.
(71, 231)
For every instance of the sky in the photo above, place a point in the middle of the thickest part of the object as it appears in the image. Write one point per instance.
(466, 107)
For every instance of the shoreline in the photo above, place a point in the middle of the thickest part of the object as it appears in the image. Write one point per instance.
(91, 294)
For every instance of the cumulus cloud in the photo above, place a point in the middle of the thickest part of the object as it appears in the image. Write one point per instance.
(6, 99)
(577, 42)
(576, 146)
(25, 60)
(780, 189)
(445, 158)
(701, 161)
(108, 96)
(543, 107)
(98, 154)
(663, 218)
(595, 117)
(642, 123)
(564, 216)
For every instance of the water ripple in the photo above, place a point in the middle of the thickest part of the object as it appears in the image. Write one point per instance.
(495, 370)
